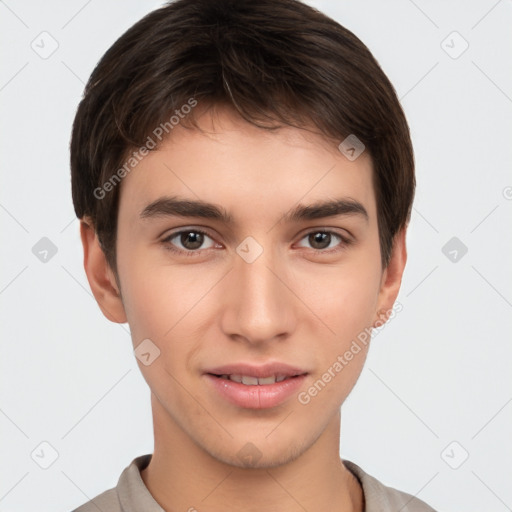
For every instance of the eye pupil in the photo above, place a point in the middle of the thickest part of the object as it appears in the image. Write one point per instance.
(197, 239)
(320, 238)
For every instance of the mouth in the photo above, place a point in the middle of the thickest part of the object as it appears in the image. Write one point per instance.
(250, 380)
(256, 387)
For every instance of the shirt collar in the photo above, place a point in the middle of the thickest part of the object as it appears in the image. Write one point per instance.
(133, 494)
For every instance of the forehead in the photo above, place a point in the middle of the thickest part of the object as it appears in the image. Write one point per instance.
(246, 168)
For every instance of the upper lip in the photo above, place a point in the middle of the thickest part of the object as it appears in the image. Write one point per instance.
(259, 371)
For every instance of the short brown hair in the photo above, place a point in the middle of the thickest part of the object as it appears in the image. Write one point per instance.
(274, 61)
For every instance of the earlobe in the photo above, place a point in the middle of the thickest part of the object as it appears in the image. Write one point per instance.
(391, 279)
(100, 276)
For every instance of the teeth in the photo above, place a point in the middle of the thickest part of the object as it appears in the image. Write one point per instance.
(268, 380)
(248, 380)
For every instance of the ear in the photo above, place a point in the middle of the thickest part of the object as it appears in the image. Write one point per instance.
(391, 279)
(100, 276)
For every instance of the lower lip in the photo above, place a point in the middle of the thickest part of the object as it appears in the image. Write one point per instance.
(262, 396)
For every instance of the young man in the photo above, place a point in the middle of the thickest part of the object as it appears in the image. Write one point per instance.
(244, 176)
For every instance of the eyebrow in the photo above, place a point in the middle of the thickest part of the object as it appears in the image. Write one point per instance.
(180, 207)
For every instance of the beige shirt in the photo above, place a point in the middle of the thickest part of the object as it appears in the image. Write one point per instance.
(131, 494)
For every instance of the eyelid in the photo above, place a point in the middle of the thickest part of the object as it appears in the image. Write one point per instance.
(341, 232)
(166, 240)
(345, 240)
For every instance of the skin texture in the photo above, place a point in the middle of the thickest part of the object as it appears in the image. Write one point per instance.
(296, 303)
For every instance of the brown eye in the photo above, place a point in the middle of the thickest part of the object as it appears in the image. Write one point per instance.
(189, 242)
(326, 241)
(319, 240)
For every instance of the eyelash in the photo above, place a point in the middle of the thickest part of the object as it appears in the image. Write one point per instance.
(345, 242)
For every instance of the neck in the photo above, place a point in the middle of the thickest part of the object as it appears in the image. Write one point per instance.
(183, 476)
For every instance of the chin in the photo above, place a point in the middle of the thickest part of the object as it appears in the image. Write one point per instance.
(258, 454)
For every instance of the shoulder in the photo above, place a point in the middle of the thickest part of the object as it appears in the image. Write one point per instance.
(107, 501)
(130, 494)
(381, 498)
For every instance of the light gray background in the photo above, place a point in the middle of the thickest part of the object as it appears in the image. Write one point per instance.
(438, 373)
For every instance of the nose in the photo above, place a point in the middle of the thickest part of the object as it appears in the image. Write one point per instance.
(258, 303)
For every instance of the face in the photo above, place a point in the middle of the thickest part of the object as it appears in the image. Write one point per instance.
(254, 287)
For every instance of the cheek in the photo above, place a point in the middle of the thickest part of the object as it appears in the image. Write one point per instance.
(348, 308)
(358, 292)
(345, 297)
(146, 294)
(168, 304)
(161, 305)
